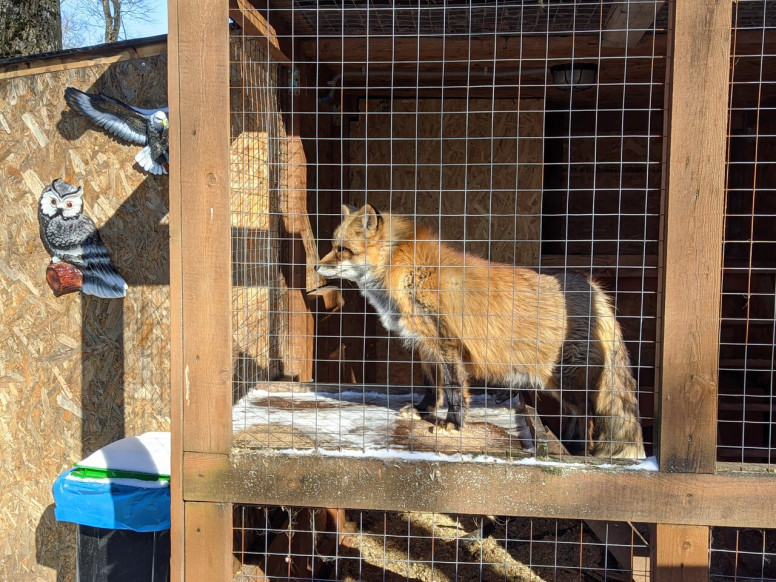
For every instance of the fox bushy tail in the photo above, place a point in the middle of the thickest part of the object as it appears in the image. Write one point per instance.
(616, 429)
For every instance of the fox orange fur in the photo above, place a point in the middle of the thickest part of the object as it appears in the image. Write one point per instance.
(508, 326)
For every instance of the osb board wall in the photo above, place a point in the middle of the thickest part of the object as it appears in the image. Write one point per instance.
(259, 153)
(469, 169)
(76, 372)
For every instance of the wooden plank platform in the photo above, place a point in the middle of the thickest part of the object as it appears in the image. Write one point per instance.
(367, 418)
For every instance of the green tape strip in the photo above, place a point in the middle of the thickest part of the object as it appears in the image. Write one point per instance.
(95, 473)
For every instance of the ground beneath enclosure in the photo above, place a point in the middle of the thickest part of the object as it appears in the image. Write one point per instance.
(426, 547)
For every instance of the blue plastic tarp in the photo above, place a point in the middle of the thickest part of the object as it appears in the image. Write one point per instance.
(112, 503)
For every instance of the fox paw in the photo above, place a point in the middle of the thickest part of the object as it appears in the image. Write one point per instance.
(410, 412)
(446, 425)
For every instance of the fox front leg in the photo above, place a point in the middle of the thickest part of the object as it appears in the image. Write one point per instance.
(432, 396)
(432, 399)
(456, 388)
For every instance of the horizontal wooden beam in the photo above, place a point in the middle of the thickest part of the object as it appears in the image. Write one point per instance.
(375, 49)
(254, 24)
(567, 491)
(77, 58)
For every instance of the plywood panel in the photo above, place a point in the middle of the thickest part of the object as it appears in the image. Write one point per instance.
(76, 373)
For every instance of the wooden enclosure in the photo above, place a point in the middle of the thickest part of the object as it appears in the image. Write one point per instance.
(76, 372)
(649, 182)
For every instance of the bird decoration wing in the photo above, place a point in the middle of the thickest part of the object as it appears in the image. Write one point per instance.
(150, 112)
(111, 114)
(150, 163)
(101, 278)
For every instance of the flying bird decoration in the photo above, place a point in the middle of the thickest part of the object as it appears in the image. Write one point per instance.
(79, 258)
(146, 127)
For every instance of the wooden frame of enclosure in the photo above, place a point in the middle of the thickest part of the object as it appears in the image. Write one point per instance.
(690, 493)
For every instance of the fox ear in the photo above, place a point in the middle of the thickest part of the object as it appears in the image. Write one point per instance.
(347, 209)
(372, 218)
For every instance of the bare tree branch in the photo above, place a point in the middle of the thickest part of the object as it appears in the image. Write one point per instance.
(109, 17)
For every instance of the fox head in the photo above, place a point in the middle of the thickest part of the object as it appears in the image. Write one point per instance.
(356, 245)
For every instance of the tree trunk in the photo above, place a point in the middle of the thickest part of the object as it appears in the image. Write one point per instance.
(29, 27)
(112, 11)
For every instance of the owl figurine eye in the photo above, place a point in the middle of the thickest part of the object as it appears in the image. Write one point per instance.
(69, 204)
(53, 202)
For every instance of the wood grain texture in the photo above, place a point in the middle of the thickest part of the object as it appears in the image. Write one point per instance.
(680, 553)
(205, 226)
(208, 542)
(177, 514)
(64, 278)
(255, 25)
(532, 49)
(692, 233)
(103, 55)
(571, 492)
(76, 372)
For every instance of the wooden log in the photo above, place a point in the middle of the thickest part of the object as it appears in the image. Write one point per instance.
(64, 278)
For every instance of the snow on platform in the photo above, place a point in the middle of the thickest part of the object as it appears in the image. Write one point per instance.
(360, 420)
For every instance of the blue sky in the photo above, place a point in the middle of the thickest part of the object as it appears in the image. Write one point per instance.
(91, 32)
(138, 29)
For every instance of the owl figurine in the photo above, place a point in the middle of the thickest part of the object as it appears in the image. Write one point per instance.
(71, 237)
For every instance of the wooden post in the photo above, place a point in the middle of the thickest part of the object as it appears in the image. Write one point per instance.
(300, 253)
(681, 553)
(207, 526)
(693, 213)
(200, 278)
(694, 206)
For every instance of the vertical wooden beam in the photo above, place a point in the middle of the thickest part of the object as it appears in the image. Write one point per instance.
(200, 278)
(177, 544)
(682, 553)
(696, 99)
(300, 253)
(206, 523)
(205, 224)
(691, 237)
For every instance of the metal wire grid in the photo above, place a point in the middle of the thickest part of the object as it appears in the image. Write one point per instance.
(437, 17)
(258, 166)
(597, 211)
(748, 332)
(272, 543)
(742, 554)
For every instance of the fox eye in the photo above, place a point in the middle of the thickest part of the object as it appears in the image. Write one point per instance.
(341, 250)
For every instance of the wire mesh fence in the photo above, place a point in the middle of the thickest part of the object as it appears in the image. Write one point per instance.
(512, 153)
(742, 554)
(272, 543)
(748, 331)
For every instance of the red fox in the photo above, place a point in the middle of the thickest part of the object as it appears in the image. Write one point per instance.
(509, 326)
